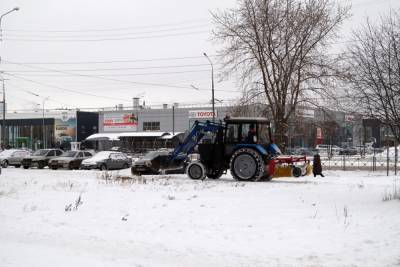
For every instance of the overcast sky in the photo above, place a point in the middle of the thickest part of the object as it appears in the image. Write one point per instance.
(102, 53)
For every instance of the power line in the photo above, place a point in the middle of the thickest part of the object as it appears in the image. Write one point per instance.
(32, 93)
(112, 79)
(112, 29)
(113, 69)
(107, 34)
(66, 89)
(103, 78)
(113, 75)
(106, 39)
(113, 61)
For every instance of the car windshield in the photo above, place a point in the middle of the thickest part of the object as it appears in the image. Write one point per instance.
(69, 154)
(152, 155)
(41, 152)
(7, 153)
(102, 155)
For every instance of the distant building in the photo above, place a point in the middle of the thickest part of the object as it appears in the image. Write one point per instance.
(52, 129)
(306, 128)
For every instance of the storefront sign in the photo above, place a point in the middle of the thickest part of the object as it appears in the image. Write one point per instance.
(201, 114)
(65, 129)
(115, 122)
(305, 113)
(349, 118)
(319, 133)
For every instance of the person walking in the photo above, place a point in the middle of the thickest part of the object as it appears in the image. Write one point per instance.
(317, 167)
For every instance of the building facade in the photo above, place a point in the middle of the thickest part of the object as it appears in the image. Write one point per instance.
(307, 128)
(48, 129)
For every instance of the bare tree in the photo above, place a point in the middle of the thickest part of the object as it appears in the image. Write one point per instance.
(374, 71)
(279, 48)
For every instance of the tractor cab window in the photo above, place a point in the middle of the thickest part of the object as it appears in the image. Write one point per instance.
(232, 134)
(263, 134)
(249, 133)
(208, 138)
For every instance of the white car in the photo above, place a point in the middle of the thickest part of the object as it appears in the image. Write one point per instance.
(13, 157)
(107, 160)
(325, 149)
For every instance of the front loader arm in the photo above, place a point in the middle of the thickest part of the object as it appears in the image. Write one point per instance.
(197, 132)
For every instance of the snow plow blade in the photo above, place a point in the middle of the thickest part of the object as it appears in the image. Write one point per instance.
(291, 166)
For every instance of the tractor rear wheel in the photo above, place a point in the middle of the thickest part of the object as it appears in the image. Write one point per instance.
(196, 171)
(246, 164)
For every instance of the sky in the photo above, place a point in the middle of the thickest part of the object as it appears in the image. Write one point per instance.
(98, 53)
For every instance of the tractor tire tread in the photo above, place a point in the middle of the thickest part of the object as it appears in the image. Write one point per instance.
(258, 159)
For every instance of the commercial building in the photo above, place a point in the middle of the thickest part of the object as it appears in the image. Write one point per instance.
(143, 127)
(165, 119)
(56, 128)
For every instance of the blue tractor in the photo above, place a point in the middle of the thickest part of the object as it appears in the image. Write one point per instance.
(242, 145)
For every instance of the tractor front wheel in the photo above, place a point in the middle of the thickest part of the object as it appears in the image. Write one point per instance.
(196, 171)
(246, 164)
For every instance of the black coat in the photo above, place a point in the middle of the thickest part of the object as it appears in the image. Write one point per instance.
(317, 167)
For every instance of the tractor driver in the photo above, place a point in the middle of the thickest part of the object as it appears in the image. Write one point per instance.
(251, 135)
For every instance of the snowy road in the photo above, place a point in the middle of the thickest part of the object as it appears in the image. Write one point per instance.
(340, 220)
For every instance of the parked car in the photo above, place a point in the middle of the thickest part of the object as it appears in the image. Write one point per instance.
(327, 149)
(153, 161)
(304, 151)
(13, 157)
(107, 160)
(41, 158)
(70, 159)
(350, 151)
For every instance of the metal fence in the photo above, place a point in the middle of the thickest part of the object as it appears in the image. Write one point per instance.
(388, 163)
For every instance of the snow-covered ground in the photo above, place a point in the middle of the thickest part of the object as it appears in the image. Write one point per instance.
(339, 220)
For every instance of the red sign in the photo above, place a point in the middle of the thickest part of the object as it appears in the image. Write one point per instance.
(319, 136)
(120, 122)
(201, 114)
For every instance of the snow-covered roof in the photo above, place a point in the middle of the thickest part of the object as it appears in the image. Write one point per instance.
(116, 136)
(144, 134)
(103, 136)
(170, 136)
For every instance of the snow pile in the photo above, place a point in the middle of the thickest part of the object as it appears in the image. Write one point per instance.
(392, 152)
(89, 218)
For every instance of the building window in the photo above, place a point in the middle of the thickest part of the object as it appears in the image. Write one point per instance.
(151, 126)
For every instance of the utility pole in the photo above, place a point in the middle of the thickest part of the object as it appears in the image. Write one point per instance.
(212, 86)
(43, 129)
(4, 90)
(173, 120)
(3, 128)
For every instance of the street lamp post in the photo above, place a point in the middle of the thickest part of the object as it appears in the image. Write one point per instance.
(4, 91)
(3, 128)
(43, 130)
(1, 17)
(212, 85)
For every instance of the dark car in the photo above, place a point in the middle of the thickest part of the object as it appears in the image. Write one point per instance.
(350, 151)
(40, 158)
(107, 160)
(13, 157)
(155, 161)
(70, 160)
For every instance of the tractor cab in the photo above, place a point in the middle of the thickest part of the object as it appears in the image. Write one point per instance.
(247, 131)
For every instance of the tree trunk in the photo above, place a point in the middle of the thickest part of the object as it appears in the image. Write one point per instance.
(280, 135)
